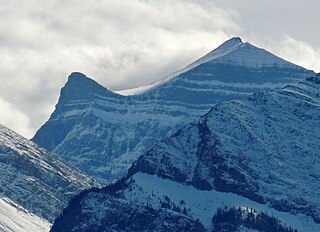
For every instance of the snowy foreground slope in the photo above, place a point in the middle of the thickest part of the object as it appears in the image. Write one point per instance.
(15, 218)
(102, 132)
(259, 154)
(34, 179)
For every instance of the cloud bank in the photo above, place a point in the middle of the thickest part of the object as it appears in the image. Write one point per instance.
(13, 118)
(299, 52)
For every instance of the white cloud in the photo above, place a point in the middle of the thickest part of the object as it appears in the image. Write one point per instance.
(299, 53)
(120, 43)
(14, 119)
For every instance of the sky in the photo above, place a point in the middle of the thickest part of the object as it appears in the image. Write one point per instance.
(128, 43)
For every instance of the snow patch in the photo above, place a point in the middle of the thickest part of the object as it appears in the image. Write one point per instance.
(14, 218)
(150, 190)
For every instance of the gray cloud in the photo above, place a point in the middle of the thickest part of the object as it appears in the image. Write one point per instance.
(123, 44)
(267, 21)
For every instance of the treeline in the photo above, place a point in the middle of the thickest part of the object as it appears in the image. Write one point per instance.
(231, 219)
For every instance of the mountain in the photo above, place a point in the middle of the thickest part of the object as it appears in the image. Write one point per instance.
(244, 164)
(15, 218)
(102, 132)
(34, 179)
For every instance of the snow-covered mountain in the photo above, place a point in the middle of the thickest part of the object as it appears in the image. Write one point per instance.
(259, 155)
(14, 218)
(102, 132)
(34, 179)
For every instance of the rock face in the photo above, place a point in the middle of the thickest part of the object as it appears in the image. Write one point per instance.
(34, 179)
(102, 132)
(260, 155)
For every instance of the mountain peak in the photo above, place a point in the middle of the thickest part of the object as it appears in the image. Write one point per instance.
(233, 52)
(78, 78)
(234, 41)
(76, 74)
(236, 52)
(79, 86)
(224, 49)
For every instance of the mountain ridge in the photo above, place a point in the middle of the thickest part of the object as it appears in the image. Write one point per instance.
(34, 179)
(102, 132)
(271, 140)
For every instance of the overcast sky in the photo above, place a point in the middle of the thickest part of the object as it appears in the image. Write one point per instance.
(128, 43)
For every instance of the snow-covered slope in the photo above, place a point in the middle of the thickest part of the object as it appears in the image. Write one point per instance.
(102, 132)
(156, 192)
(14, 218)
(34, 179)
(260, 155)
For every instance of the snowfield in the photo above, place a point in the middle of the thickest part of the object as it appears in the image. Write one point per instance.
(14, 218)
(152, 190)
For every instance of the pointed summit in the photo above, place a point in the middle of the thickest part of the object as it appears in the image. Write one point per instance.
(79, 86)
(234, 39)
(228, 45)
(77, 76)
(234, 51)
(224, 49)
(80, 80)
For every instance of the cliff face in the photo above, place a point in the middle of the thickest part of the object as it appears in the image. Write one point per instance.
(34, 179)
